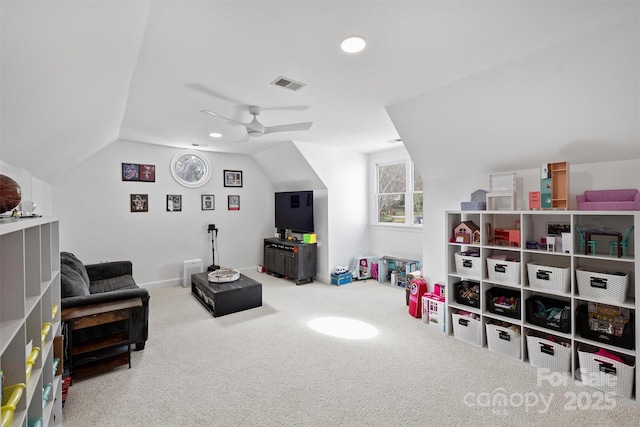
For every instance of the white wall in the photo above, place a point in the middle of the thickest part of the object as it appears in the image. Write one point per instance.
(289, 170)
(344, 174)
(446, 194)
(578, 101)
(96, 223)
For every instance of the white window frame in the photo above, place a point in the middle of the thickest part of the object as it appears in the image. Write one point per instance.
(409, 192)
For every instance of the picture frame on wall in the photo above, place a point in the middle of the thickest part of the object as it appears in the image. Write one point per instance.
(147, 173)
(234, 203)
(139, 202)
(130, 172)
(138, 172)
(208, 202)
(174, 203)
(232, 178)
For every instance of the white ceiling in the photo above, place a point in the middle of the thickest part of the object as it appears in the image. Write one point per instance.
(77, 75)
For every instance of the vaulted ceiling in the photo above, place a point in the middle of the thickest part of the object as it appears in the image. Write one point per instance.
(78, 75)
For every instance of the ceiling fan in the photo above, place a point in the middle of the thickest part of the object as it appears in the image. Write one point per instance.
(255, 128)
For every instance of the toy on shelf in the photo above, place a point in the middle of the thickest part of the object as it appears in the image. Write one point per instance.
(478, 202)
(466, 232)
(502, 185)
(554, 185)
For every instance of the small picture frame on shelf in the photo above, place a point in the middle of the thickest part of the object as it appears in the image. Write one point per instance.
(139, 202)
(174, 203)
(232, 178)
(557, 229)
(208, 202)
(234, 203)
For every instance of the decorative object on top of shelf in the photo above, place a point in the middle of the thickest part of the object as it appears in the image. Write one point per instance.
(174, 203)
(138, 172)
(478, 201)
(466, 232)
(232, 178)
(233, 203)
(139, 202)
(208, 202)
(10, 194)
(554, 185)
(191, 168)
(609, 200)
(501, 186)
(534, 200)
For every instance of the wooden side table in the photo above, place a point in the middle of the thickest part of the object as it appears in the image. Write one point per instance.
(88, 356)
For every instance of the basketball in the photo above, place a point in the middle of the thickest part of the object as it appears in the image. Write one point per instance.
(10, 195)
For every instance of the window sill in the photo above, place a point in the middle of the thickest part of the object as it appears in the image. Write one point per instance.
(398, 227)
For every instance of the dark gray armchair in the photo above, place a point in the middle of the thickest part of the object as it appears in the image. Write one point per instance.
(106, 282)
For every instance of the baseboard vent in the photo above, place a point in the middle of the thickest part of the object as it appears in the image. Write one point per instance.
(288, 83)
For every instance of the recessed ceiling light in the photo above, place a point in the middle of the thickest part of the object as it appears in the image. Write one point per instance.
(215, 135)
(353, 44)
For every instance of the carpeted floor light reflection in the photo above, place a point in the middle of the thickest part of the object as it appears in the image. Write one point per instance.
(343, 327)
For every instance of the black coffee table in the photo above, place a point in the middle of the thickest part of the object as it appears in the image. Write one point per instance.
(226, 298)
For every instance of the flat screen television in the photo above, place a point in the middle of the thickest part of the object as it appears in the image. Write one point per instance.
(294, 211)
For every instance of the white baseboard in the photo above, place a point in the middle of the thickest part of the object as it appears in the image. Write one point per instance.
(169, 283)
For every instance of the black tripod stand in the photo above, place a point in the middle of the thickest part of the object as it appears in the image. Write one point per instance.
(212, 229)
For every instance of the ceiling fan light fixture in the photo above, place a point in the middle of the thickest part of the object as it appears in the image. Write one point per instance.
(215, 135)
(353, 44)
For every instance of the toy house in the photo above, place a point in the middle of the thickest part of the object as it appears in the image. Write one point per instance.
(466, 232)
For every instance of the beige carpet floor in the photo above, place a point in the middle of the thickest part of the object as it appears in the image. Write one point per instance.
(267, 367)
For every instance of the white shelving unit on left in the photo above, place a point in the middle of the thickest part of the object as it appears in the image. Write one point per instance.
(30, 321)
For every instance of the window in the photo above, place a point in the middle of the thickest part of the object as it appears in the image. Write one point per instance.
(398, 193)
(191, 168)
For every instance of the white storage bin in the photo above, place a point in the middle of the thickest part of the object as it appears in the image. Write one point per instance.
(548, 354)
(606, 374)
(549, 278)
(602, 286)
(504, 271)
(503, 340)
(468, 266)
(467, 329)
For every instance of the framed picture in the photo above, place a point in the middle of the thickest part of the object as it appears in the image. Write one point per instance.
(234, 203)
(174, 203)
(130, 172)
(208, 202)
(139, 203)
(147, 173)
(136, 172)
(232, 178)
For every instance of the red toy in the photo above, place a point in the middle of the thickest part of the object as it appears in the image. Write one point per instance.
(418, 288)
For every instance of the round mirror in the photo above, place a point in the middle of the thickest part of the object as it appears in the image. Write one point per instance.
(191, 168)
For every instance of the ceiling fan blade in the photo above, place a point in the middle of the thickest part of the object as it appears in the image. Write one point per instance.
(288, 128)
(244, 139)
(210, 92)
(222, 117)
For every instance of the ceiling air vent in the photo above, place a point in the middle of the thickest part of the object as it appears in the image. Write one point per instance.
(288, 83)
